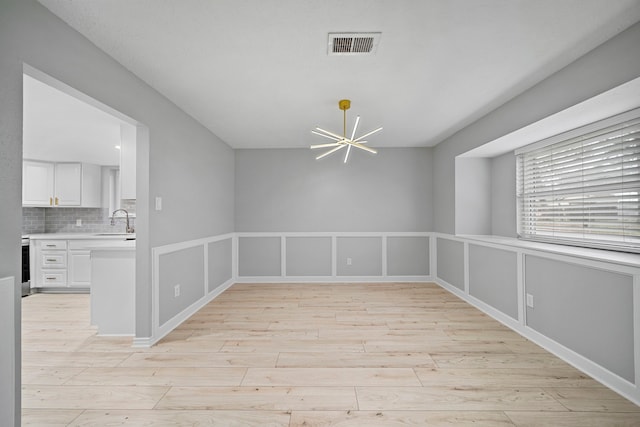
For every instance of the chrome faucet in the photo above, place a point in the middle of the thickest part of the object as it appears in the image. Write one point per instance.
(113, 219)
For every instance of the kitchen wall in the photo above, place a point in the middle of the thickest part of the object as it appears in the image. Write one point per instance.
(63, 220)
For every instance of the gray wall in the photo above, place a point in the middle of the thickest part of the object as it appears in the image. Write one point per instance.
(585, 309)
(450, 260)
(182, 155)
(493, 278)
(288, 190)
(588, 76)
(473, 195)
(220, 263)
(503, 195)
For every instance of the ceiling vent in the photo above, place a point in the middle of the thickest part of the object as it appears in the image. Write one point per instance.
(349, 44)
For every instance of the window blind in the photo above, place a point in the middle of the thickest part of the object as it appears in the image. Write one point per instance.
(584, 190)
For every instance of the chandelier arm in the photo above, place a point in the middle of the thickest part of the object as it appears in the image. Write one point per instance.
(362, 147)
(346, 156)
(331, 151)
(335, 135)
(331, 144)
(355, 127)
(367, 134)
(326, 136)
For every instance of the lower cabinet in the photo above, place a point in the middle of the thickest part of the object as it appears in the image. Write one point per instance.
(79, 268)
(61, 263)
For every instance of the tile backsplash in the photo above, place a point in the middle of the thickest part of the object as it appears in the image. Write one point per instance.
(64, 220)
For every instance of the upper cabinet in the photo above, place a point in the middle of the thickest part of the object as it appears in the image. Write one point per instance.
(60, 184)
(37, 183)
(127, 161)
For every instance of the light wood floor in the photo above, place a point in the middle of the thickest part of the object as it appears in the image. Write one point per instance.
(306, 355)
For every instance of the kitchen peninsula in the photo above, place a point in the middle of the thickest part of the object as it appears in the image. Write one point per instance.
(102, 264)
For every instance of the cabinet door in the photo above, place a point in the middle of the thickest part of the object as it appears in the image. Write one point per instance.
(68, 184)
(79, 268)
(37, 183)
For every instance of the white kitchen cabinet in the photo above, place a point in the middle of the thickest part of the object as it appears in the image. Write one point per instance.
(37, 183)
(50, 263)
(79, 271)
(68, 184)
(60, 184)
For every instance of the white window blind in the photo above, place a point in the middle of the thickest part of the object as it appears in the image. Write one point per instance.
(583, 191)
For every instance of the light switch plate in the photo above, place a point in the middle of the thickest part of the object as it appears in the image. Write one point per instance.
(158, 203)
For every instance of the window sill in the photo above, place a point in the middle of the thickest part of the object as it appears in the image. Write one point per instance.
(622, 258)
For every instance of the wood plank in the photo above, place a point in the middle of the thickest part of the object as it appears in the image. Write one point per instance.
(182, 418)
(330, 377)
(454, 398)
(354, 360)
(166, 376)
(505, 377)
(400, 418)
(97, 397)
(49, 417)
(211, 360)
(259, 398)
(573, 419)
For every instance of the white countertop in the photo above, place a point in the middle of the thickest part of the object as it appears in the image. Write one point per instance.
(84, 236)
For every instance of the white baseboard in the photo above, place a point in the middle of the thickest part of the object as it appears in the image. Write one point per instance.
(334, 279)
(176, 320)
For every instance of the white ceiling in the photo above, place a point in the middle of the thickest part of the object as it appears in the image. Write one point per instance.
(59, 127)
(257, 73)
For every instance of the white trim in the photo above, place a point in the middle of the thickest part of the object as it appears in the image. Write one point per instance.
(522, 294)
(603, 260)
(332, 279)
(466, 276)
(582, 130)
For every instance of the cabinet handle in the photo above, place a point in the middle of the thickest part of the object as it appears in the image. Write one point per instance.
(56, 201)
(50, 278)
(51, 260)
(50, 246)
(50, 201)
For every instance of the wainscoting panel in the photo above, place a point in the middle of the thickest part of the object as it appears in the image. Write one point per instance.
(308, 256)
(359, 256)
(259, 256)
(220, 265)
(451, 262)
(493, 278)
(585, 309)
(408, 256)
(184, 268)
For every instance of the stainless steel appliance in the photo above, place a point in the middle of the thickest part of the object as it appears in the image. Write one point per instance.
(26, 276)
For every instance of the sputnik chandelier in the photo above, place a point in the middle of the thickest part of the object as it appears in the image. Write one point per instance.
(340, 142)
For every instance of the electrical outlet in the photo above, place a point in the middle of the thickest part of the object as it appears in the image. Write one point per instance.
(348, 261)
(78, 222)
(529, 300)
(176, 291)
